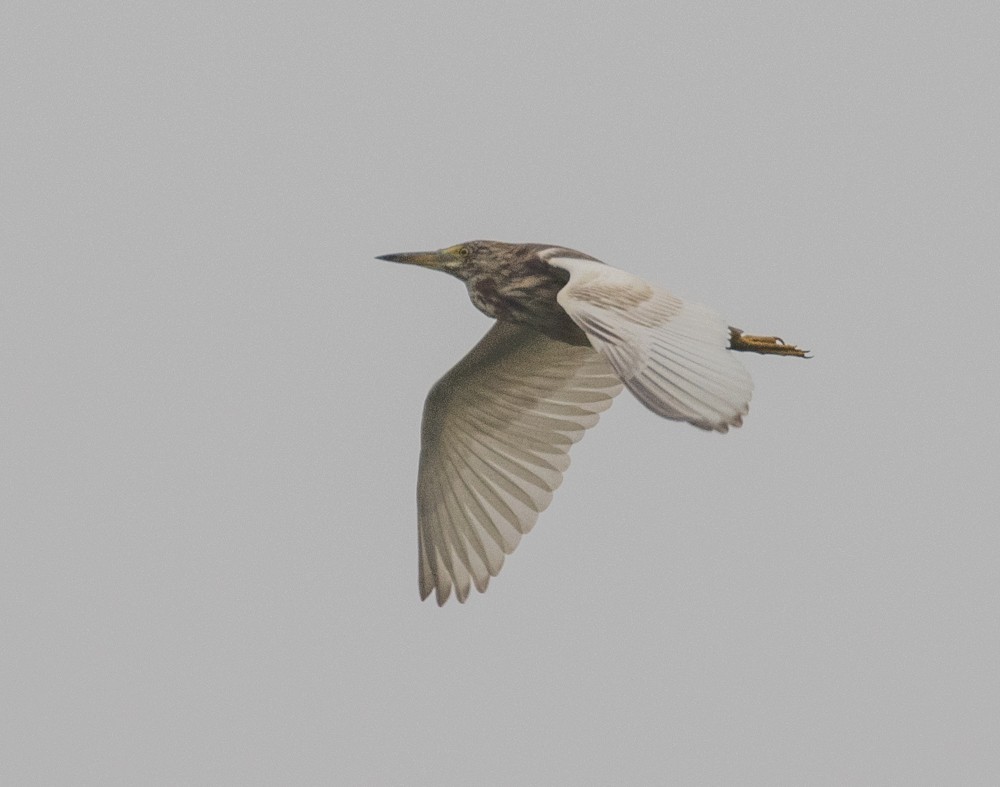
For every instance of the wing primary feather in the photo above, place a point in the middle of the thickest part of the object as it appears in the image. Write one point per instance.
(463, 546)
(497, 430)
(480, 519)
(427, 501)
(676, 392)
(495, 491)
(512, 469)
(536, 457)
(696, 393)
(453, 543)
(672, 355)
(505, 483)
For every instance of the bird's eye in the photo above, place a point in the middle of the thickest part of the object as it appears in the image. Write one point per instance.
(464, 251)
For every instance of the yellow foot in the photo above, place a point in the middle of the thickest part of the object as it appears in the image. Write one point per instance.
(765, 345)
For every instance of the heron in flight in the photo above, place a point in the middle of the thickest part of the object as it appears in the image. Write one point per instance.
(570, 333)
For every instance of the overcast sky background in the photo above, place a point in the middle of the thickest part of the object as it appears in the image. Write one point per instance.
(211, 393)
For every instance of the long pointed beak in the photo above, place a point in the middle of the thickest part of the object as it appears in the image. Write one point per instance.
(425, 259)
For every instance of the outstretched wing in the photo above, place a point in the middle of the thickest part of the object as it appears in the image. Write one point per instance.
(496, 434)
(671, 354)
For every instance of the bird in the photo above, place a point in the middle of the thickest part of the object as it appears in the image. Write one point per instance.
(571, 333)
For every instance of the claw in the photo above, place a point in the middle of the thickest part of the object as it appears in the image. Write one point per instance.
(765, 345)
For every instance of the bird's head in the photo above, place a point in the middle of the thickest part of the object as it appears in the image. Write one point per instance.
(460, 260)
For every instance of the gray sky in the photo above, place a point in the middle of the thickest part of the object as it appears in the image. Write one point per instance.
(212, 393)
